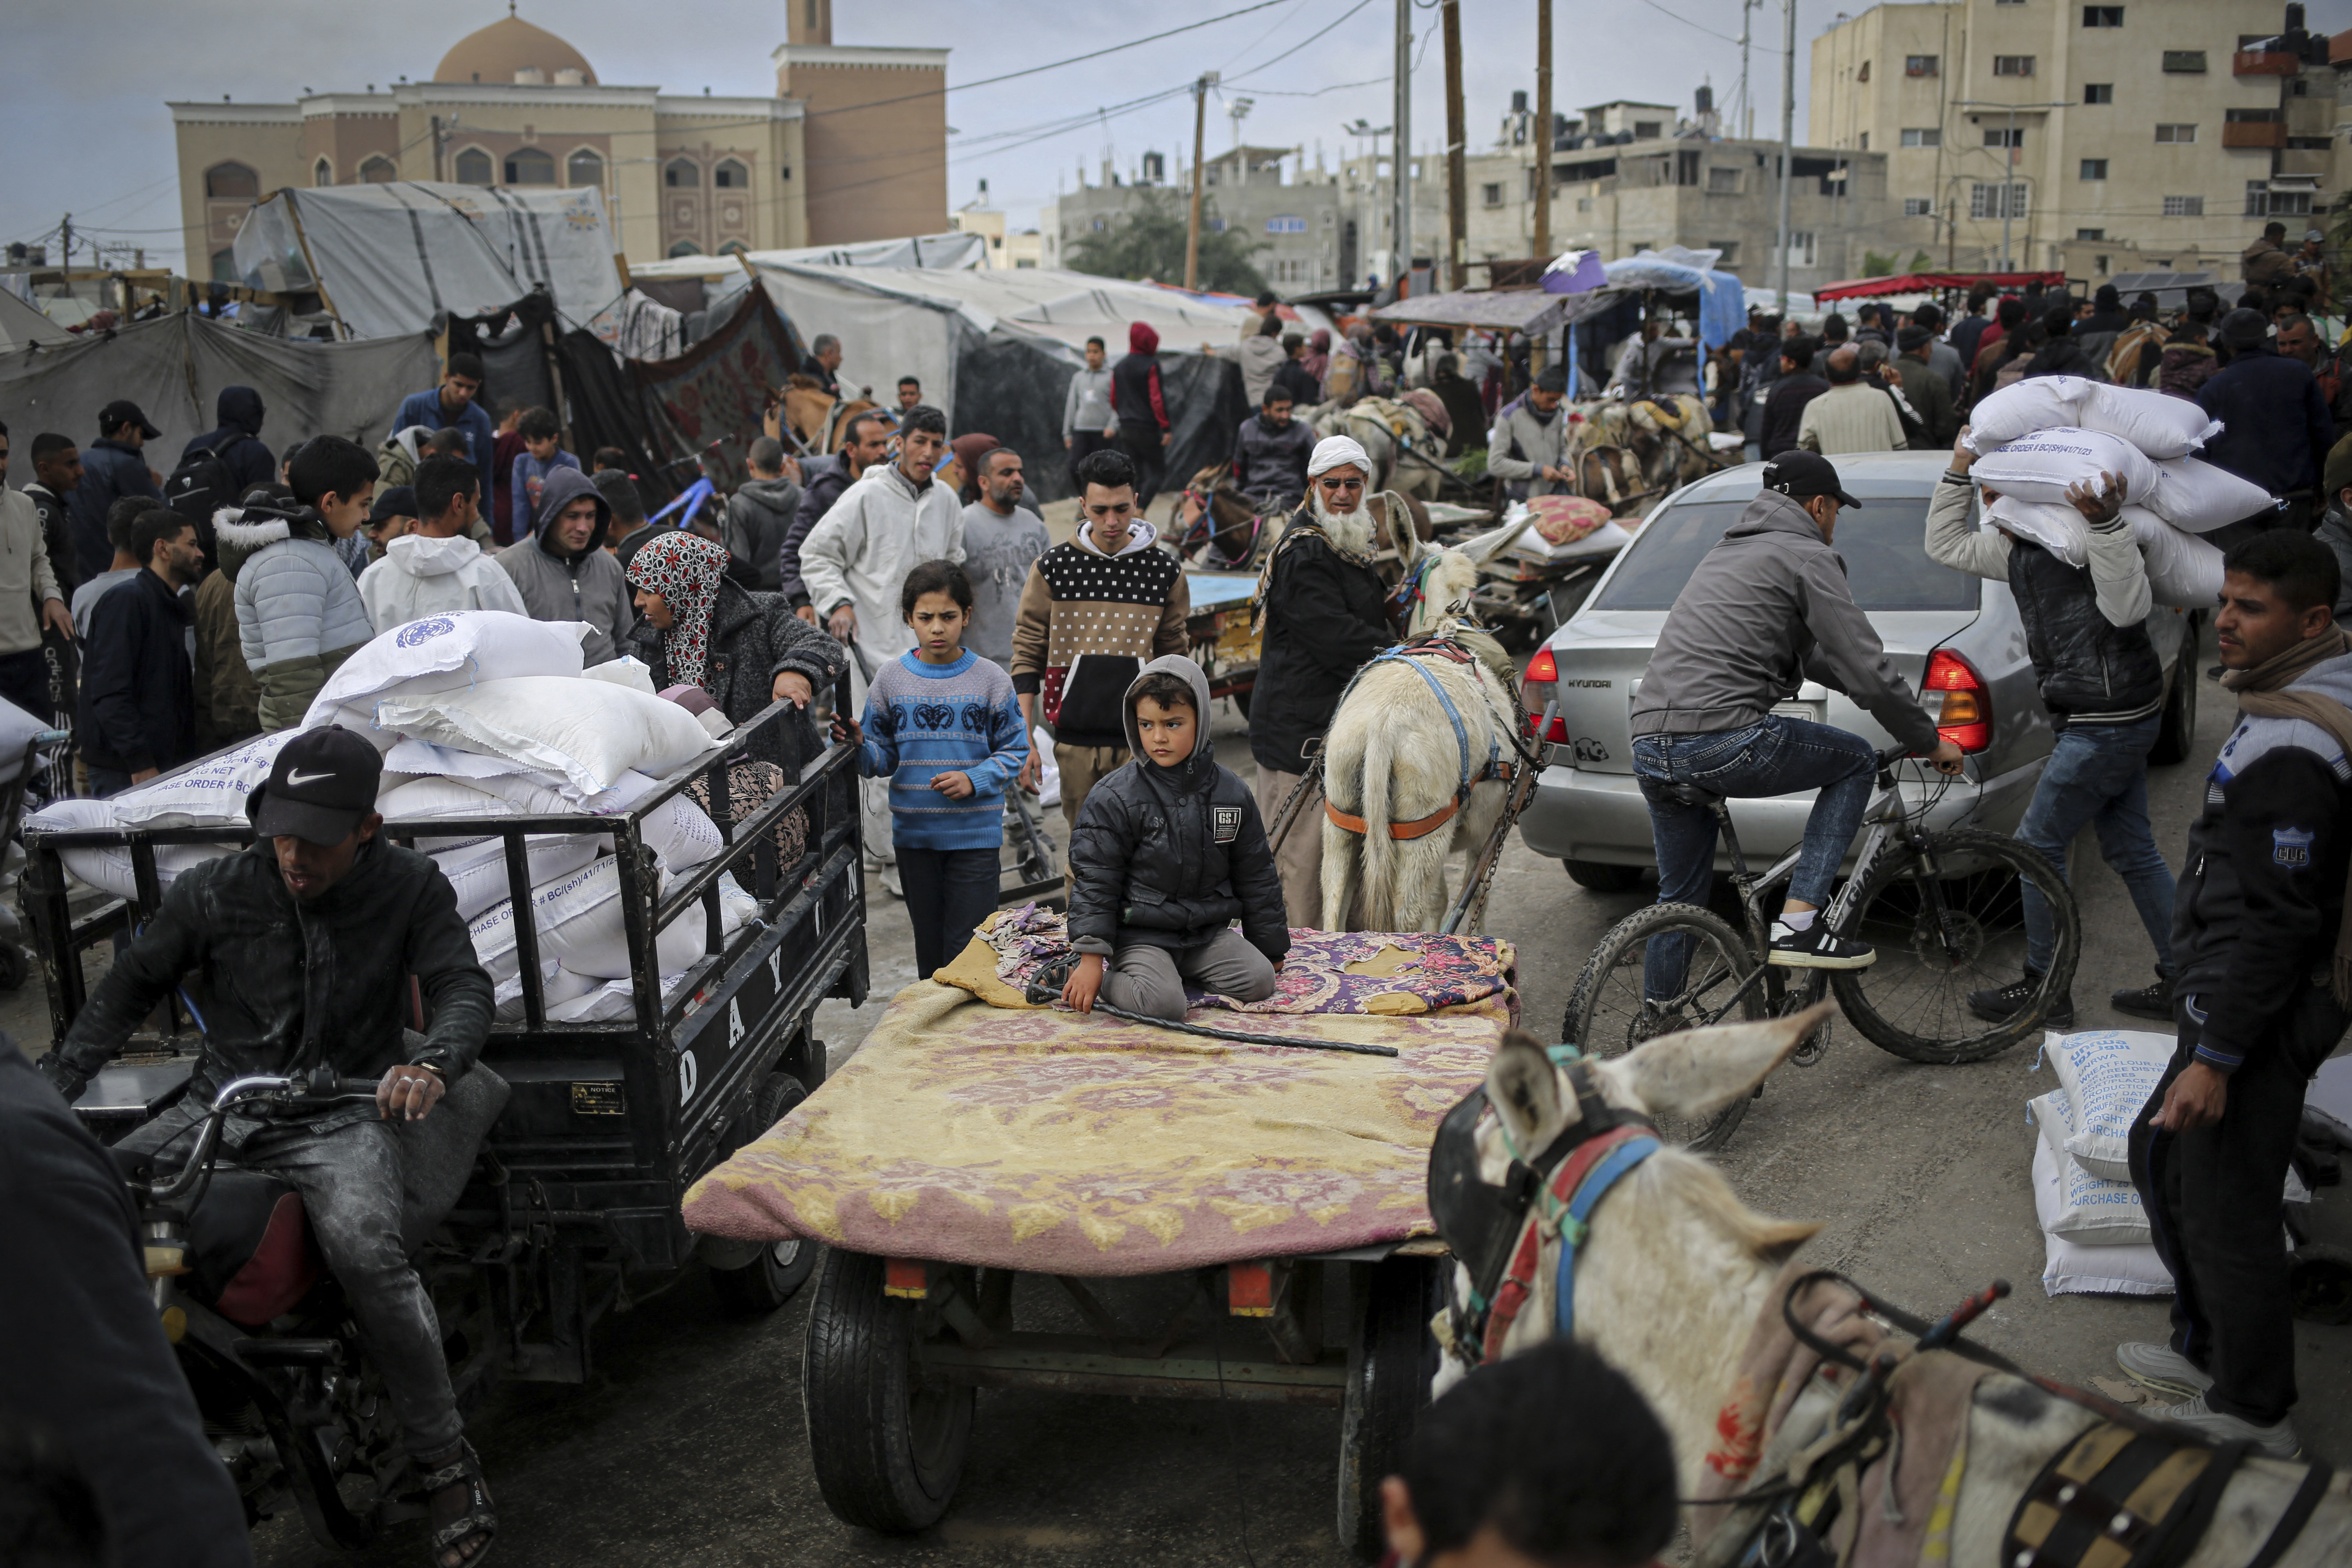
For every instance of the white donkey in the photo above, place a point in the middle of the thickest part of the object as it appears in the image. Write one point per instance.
(1673, 1271)
(1412, 762)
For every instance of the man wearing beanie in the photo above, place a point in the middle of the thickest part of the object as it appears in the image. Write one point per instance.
(2275, 431)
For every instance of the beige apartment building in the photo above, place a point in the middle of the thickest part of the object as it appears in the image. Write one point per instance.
(2152, 135)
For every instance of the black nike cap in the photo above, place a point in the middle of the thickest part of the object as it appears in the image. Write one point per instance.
(322, 784)
(1801, 474)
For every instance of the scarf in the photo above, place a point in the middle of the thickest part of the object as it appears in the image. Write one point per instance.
(2259, 693)
(686, 570)
(1306, 522)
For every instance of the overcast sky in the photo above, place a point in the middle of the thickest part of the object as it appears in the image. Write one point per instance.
(82, 87)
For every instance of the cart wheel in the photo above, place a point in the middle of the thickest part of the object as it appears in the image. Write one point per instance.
(888, 1448)
(1390, 1361)
(13, 966)
(769, 1280)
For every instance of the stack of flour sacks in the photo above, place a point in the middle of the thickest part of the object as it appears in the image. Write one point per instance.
(2036, 437)
(2095, 1230)
(482, 714)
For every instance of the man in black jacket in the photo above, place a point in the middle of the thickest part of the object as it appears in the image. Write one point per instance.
(306, 941)
(138, 710)
(1270, 452)
(113, 467)
(2275, 428)
(2265, 991)
(1784, 408)
(1169, 851)
(864, 441)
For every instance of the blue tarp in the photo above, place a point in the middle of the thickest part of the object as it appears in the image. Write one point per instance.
(1722, 297)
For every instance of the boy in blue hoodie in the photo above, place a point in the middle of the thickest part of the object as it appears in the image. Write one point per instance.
(542, 454)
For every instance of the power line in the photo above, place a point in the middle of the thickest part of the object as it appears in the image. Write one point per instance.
(1710, 32)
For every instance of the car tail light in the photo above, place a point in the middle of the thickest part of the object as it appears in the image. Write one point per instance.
(1537, 686)
(1966, 717)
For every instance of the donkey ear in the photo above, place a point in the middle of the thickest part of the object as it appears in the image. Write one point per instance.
(1523, 1087)
(1698, 1073)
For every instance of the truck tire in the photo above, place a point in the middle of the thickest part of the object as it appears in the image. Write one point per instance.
(771, 1279)
(888, 1448)
(1390, 1361)
(1603, 878)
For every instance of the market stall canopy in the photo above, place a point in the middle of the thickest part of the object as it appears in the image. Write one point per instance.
(1722, 297)
(1531, 312)
(1927, 282)
(390, 260)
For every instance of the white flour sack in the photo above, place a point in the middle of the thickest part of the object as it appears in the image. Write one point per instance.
(579, 923)
(2056, 526)
(2070, 1265)
(2183, 569)
(2040, 465)
(444, 653)
(109, 868)
(592, 732)
(2023, 407)
(210, 791)
(478, 871)
(557, 984)
(2193, 494)
(677, 830)
(432, 799)
(2090, 1208)
(2158, 424)
(2106, 1075)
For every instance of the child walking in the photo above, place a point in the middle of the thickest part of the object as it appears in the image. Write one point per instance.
(943, 726)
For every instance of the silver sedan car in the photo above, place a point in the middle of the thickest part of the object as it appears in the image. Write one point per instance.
(1957, 638)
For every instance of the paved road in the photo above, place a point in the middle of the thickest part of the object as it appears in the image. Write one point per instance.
(687, 1447)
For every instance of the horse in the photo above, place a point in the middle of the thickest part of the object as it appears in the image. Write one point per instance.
(1232, 530)
(1420, 754)
(1672, 1272)
(818, 417)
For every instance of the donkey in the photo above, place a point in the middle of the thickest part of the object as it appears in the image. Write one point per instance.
(1673, 1271)
(1231, 532)
(816, 417)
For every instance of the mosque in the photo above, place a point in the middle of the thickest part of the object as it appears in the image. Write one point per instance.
(852, 147)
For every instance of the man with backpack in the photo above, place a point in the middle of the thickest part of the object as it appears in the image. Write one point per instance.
(218, 468)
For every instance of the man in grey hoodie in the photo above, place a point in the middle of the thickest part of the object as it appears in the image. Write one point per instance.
(758, 516)
(565, 573)
(1524, 451)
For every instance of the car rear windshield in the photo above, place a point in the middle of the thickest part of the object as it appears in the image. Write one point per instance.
(1886, 562)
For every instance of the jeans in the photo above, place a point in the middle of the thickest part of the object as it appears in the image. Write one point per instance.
(1776, 755)
(2097, 774)
(947, 891)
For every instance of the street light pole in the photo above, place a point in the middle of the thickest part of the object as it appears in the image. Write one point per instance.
(1788, 133)
(1400, 145)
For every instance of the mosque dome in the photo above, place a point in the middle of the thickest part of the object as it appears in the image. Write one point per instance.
(510, 49)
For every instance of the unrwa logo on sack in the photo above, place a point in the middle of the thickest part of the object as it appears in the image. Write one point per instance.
(417, 632)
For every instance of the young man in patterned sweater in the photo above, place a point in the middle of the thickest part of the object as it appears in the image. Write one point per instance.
(1092, 611)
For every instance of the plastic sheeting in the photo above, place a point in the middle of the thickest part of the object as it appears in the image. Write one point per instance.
(1722, 297)
(174, 366)
(390, 258)
(22, 325)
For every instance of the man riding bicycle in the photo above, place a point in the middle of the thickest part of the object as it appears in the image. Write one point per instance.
(305, 943)
(1766, 609)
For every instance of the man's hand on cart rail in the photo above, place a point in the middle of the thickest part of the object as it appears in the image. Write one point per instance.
(1086, 981)
(409, 1093)
(792, 686)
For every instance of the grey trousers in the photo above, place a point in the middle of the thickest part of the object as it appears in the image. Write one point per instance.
(1149, 981)
(350, 1179)
(1298, 859)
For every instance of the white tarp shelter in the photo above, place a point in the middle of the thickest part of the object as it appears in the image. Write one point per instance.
(23, 325)
(391, 258)
(941, 252)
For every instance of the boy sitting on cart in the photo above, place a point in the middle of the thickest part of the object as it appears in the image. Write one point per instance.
(1168, 852)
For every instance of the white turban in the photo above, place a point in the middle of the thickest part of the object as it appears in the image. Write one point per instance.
(1333, 450)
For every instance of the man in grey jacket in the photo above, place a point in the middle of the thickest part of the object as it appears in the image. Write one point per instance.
(1767, 609)
(1525, 448)
(759, 514)
(563, 571)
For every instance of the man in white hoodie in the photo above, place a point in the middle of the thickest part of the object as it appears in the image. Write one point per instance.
(436, 568)
(857, 558)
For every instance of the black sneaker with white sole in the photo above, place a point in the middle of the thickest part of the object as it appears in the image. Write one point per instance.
(2146, 1002)
(2001, 1004)
(1818, 947)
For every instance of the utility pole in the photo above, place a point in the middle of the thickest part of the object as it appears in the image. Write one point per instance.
(64, 241)
(1193, 230)
(1457, 197)
(1787, 134)
(1401, 145)
(2008, 180)
(1543, 130)
(1747, 104)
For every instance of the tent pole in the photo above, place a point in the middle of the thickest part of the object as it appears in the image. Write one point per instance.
(294, 211)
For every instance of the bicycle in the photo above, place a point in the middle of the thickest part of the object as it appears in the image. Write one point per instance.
(1943, 910)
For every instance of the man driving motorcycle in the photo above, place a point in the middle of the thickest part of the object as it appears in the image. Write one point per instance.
(305, 942)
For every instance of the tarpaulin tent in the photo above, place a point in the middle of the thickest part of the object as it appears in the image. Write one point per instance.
(713, 396)
(1722, 297)
(389, 259)
(1929, 282)
(23, 325)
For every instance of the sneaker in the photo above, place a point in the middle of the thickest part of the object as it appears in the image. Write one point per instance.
(2276, 1440)
(2162, 1368)
(2003, 1003)
(1818, 947)
(2147, 1002)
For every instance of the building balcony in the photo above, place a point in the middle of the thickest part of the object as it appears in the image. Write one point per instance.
(2254, 133)
(2264, 62)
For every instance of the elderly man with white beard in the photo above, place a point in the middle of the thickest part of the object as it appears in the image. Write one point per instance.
(1324, 613)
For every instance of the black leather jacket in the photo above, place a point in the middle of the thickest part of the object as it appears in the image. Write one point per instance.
(2086, 663)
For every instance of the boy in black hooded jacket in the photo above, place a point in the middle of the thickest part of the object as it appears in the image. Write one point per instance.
(1168, 852)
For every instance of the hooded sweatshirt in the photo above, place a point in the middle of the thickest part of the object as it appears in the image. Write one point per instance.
(759, 515)
(299, 613)
(1170, 857)
(1088, 622)
(237, 412)
(421, 574)
(1135, 392)
(588, 586)
(860, 552)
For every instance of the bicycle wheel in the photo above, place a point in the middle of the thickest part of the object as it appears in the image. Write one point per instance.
(1914, 1000)
(1608, 1014)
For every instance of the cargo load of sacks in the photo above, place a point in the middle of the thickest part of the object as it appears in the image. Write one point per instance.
(2095, 1230)
(480, 714)
(2037, 438)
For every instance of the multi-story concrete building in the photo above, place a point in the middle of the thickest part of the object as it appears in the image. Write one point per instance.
(2155, 134)
(1296, 221)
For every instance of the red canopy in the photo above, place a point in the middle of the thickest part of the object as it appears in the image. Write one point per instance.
(1929, 282)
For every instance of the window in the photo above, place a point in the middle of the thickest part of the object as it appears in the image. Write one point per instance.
(378, 171)
(2009, 2)
(1985, 200)
(731, 175)
(1918, 206)
(530, 166)
(2012, 65)
(2103, 15)
(1864, 74)
(1923, 136)
(2095, 168)
(2184, 206)
(2090, 234)
(1722, 181)
(1646, 130)
(1730, 249)
(1887, 565)
(1861, 143)
(1920, 65)
(1492, 196)
(1585, 203)
(2252, 116)
(686, 247)
(229, 181)
(683, 174)
(2168, 135)
(2004, 136)
(585, 168)
(1801, 248)
(2098, 92)
(322, 173)
(1294, 270)
(736, 248)
(2263, 202)
(1286, 223)
(225, 266)
(2184, 62)
(474, 167)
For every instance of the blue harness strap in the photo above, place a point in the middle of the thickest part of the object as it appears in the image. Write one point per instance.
(1588, 1194)
(1461, 734)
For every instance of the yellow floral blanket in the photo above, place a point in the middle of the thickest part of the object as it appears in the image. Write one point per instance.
(1043, 1141)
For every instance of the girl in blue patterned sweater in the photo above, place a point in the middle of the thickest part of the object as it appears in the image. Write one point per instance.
(943, 726)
